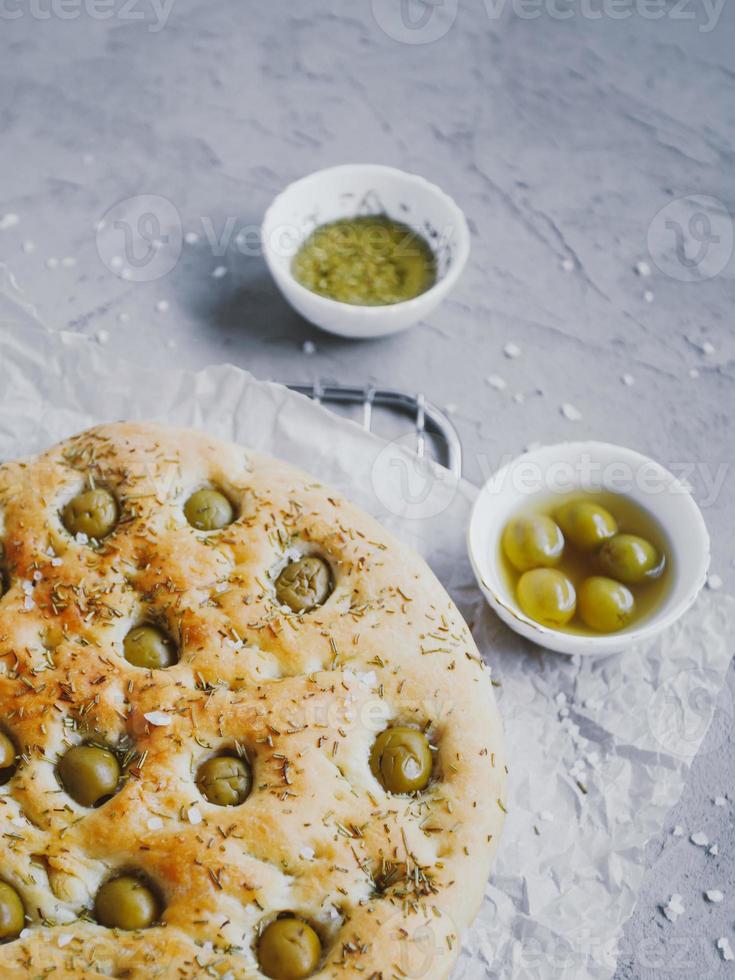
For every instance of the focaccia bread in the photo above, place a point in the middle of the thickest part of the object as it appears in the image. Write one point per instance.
(218, 759)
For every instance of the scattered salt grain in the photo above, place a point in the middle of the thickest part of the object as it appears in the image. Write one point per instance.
(102, 336)
(495, 381)
(643, 269)
(28, 247)
(450, 408)
(52, 262)
(8, 221)
(648, 296)
(308, 347)
(628, 380)
(674, 908)
(155, 823)
(512, 350)
(519, 398)
(64, 940)
(707, 348)
(18, 822)
(714, 582)
(368, 678)
(678, 831)
(191, 238)
(723, 944)
(715, 896)
(24, 933)
(193, 815)
(714, 850)
(56, 561)
(699, 839)
(123, 317)
(81, 538)
(162, 306)
(28, 603)
(693, 373)
(570, 412)
(567, 265)
(219, 272)
(720, 801)
(158, 718)
(307, 853)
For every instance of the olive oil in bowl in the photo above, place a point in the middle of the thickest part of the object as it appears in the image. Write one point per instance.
(586, 563)
(369, 260)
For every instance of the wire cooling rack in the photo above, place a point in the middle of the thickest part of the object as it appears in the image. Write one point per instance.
(435, 432)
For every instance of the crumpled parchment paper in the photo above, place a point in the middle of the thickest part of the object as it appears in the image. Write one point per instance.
(598, 749)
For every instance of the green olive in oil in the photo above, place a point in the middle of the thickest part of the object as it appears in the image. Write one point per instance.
(370, 260)
(611, 562)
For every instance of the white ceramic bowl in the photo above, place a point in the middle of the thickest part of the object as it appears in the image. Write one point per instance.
(348, 191)
(574, 466)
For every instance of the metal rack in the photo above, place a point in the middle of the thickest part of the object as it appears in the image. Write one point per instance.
(428, 418)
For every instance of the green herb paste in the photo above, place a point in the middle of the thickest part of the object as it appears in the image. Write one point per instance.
(367, 261)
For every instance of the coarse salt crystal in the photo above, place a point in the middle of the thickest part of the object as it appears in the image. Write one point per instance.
(162, 306)
(648, 296)
(693, 373)
(708, 347)
(28, 247)
(519, 398)
(28, 603)
(699, 839)
(450, 408)
(307, 853)
(155, 823)
(643, 269)
(715, 896)
(219, 272)
(628, 380)
(102, 336)
(714, 582)
(64, 940)
(158, 718)
(56, 561)
(512, 350)
(495, 381)
(723, 944)
(308, 347)
(720, 801)
(81, 538)
(714, 850)
(52, 262)
(678, 831)
(8, 221)
(567, 265)
(18, 821)
(191, 238)
(674, 908)
(24, 933)
(571, 412)
(193, 815)
(123, 317)
(368, 678)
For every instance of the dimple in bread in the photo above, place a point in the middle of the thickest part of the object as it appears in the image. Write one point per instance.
(291, 703)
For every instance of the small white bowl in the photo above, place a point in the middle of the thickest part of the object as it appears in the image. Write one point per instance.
(359, 189)
(590, 466)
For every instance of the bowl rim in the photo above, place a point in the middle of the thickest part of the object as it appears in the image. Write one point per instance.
(584, 644)
(439, 288)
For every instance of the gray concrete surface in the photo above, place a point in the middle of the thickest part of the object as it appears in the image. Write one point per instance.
(563, 129)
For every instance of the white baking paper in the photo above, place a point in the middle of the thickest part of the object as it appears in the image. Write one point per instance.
(598, 749)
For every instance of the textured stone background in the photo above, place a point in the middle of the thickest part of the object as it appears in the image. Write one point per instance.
(562, 137)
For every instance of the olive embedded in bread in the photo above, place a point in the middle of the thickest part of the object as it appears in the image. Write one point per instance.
(289, 949)
(126, 903)
(225, 780)
(585, 524)
(148, 646)
(208, 510)
(93, 512)
(631, 559)
(532, 542)
(12, 914)
(304, 584)
(401, 759)
(7, 758)
(89, 774)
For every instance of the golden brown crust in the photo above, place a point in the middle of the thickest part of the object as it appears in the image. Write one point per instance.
(388, 882)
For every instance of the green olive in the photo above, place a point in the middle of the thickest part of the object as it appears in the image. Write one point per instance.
(631, 559)
(604, 604)
(89, 774)
(304, 584)
(547, 596)
(208, 510)
(148, 646)
(586, 524)
(401, 759)
(126, 903)
(94, 513)
(532, 542)
(12, 914)
(289, 949)
(7, 758)
(225, 780)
